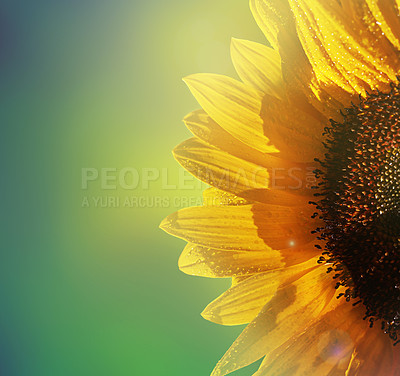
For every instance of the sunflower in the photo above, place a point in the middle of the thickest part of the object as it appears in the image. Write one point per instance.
(303, 213)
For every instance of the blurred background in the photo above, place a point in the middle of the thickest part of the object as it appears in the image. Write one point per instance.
(91, 107)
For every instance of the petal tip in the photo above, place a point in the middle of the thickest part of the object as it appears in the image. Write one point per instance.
(210, 314)
(206, 314)
(236, 41)
(176, 151)
(188, 80)
(166, 224)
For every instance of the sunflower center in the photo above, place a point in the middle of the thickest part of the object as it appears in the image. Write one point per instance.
(359, 201)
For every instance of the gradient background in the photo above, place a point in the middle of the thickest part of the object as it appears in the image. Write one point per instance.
(96, 83)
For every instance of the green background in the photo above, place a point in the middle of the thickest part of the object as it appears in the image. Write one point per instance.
(96, 290)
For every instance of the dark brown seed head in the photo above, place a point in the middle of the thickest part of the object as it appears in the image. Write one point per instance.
(359, 201)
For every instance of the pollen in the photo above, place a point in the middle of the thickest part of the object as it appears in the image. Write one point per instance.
(359, 202)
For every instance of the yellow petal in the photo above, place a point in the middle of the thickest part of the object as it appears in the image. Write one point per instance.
(216, 227)
(271, 17)
(325, 68)
(248, 227)
(239, 278)
(297, 135)
(324, 349)
(289, 312)
(376, 35)
(334, 48)
(276, 20)
(241, 303)
(234, 106)
(374, 354)
(242, 177)
(207, 130)
(303, 88)
(220, 169)
(211, 262)
(386, 14)
(216, 197)
(216, 263)
(258, 66)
